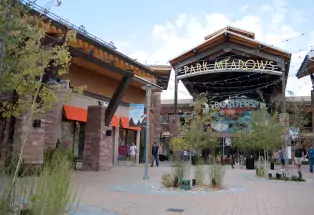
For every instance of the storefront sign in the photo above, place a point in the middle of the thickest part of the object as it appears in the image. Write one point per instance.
(136, 114)
(229, 64)
(236, 104)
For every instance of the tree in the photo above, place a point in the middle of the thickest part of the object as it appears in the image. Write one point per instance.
(195, 131)
(29, 53)
(263, 132)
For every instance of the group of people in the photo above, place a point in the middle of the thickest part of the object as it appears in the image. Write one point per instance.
(300, 155)
(133, 152)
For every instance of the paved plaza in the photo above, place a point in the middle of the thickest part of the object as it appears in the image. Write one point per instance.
(121, 191)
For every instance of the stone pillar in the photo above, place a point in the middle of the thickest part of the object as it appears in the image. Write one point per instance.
(174, 132)
(138, 140)
(157, 112)
(98, 147)
(35, 142)
(34, 150)
(116, 145)
(312, 103)
(52, 119)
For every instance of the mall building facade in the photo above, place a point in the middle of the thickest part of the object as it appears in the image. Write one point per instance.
(95, 123)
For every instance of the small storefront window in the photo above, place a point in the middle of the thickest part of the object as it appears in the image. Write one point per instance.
(126, 137)
(170, 118)
(73, 135)
(161, 118)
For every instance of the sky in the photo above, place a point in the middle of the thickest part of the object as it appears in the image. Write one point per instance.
(153, 32)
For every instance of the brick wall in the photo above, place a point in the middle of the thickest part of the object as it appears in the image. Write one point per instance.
(157, 110)
(34, 147)
(98, 148)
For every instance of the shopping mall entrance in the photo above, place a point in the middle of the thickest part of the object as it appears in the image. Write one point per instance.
(237, 73)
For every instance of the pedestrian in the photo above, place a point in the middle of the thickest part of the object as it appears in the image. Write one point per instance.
(282, 159)
(232, 161)
(155, 149)
(299, 155)
(310, 155)
(133, 151)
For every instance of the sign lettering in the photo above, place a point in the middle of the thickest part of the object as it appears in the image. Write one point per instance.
(228, 64)
(236, 104)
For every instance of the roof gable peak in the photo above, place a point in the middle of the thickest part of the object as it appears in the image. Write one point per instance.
(239, 31)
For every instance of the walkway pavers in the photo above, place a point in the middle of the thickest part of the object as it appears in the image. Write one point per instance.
(122, 191)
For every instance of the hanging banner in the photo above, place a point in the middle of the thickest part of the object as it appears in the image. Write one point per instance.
(136, 115)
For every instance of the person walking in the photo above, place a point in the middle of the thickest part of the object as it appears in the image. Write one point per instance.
(282, 159)
(310, 155)
(133, 151)
(155, 149)
(299, 155)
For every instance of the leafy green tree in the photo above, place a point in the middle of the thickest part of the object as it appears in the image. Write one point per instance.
(195, 131)
(264, 132)
(29, 53)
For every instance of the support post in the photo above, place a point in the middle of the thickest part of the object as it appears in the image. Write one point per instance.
(176, 81)
(284, 110)
(148, 98)
(223, 147)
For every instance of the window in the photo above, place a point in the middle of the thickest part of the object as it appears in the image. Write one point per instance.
(170, 118)
(161, 118)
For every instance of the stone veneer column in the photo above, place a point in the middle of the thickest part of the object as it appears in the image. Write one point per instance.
(52, 119)
(157, 111)
(98, 148)
(312, 103)
(35, 143)
(174, 132)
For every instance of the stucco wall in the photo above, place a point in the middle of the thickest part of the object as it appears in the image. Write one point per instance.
(103, 86)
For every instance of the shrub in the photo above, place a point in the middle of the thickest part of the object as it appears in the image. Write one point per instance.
(199, 175)
(181, 171)
(166, 179)
(217, 173)
(52, 189)
(260, 171)
(50, 193)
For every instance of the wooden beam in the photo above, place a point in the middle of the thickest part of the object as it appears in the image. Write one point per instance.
(116, 99)
(90, 58)
(201, 55)
(246, 50)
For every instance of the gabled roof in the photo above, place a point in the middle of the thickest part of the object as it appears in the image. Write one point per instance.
(62, 25)
(307, 64)
(220, 37)
(232, 29)
(163, 74)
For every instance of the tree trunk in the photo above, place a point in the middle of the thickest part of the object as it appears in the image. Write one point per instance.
(265, 160)
(29, 120)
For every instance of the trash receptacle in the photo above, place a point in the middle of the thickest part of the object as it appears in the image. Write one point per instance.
(186, 184)
(249, 163)
(272, 165)
(194, 159)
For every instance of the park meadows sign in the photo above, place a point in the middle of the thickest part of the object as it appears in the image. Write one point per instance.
(228, 64)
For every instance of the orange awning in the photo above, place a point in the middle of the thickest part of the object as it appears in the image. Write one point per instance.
(135, 128)
(115, 121)
(75, 113)
(80, 114)
(125, 124)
